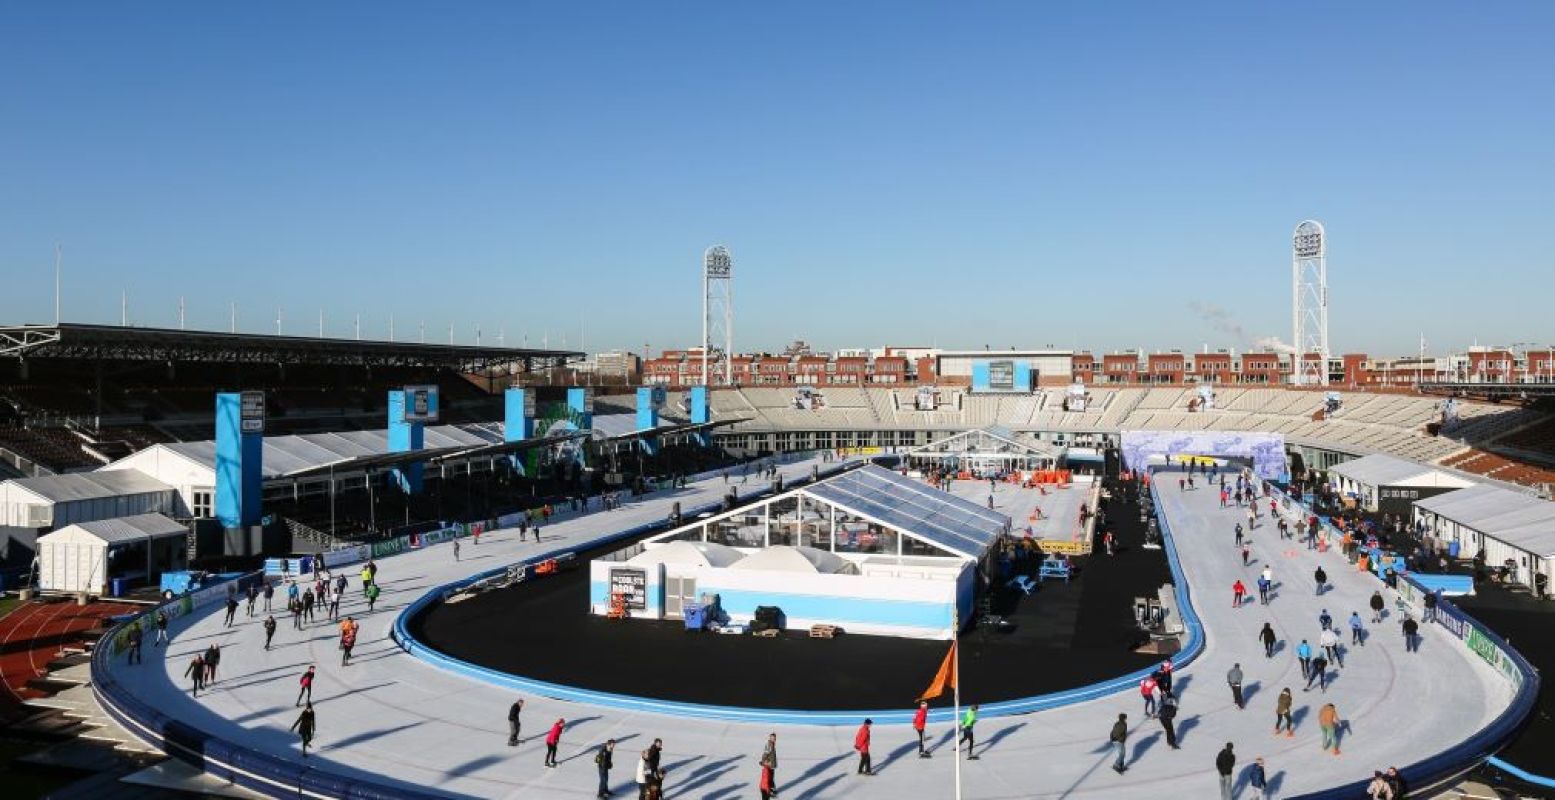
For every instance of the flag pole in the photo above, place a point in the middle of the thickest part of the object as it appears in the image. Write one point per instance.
(955, 685)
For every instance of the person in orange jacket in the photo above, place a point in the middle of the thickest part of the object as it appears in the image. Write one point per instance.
(919, 721)
(861, 744)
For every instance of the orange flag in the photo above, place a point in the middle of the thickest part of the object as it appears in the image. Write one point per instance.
(945, 678)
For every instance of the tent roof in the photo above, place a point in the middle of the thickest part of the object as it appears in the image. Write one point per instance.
(958, 525)
(284, 455)
(1001, 439)
(1382, 470)
(1489, 509)
(123, 530)
(90, 485)
(784, 558)
(702, 554)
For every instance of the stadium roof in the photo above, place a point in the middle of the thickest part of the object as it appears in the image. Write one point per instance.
(940, 518)
(73, 486)
(71, 340)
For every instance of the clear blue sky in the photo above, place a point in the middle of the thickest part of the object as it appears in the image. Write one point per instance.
(1102, 175)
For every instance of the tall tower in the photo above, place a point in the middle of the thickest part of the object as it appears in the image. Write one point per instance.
(1309, 303)
(717, 314)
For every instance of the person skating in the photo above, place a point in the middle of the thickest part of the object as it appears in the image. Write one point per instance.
(347, 642)
(861, 746)
(269, 630)
(1304, 655)
(307, 606)
(1147, 690)
(295, 606)
(1282, 717)
(1318, 673)
(1411, 635)
(643, 776)
(1328, 721)
(269, 594)
(133, 640)
(920, 721)
(1431, 599)
(1225, 765)
(1329, 641)
(1325, 620)
(769, 764)
(212, 658)
(252, 597)
(513, 721)
(1163, 677)
(764, 784)
(196, 672)
(1321, 578)
(1238, 591)
(232, 610)
(1234, 680)
(304, 727)
(334, 600)
(1357, 629)
(1268, 637)
(1377, 604)
(603, 762)
(161, 629)
(305, 686)
(552, 739)
(968, 721)
(1119, 740)
(1264, 584)
(372, 595)
(1239, 535)
(1168, 719)
(1258, 779)
(456, 549)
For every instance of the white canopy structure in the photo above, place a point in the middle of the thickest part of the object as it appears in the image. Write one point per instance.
(59, 500)
(1505, 525)
(1377, 478)
(991, 448)
(85, 557)
(807, 560)
(695, 554)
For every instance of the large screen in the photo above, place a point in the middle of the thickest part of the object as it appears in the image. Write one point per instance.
(421, 404)
(1001, 375)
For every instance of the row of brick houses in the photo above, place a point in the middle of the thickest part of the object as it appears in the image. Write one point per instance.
(911, 366)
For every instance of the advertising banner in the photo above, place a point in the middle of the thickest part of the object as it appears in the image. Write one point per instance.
(389, 547)
(1265, 450)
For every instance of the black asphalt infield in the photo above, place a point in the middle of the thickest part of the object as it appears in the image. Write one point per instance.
(1065, 636)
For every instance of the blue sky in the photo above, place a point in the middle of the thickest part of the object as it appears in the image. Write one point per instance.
(1101, 175)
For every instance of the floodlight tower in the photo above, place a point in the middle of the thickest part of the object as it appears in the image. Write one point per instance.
(1309, 303)
(717, 313)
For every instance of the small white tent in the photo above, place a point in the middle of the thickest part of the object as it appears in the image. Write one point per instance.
(695, 554)
(81, 557)
(784, 558)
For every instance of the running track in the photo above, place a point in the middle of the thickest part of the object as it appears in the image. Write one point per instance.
(31, 636)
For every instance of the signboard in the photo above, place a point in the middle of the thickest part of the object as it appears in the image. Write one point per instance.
(421, 404)
(632, 585)
(1001, 376)
(251, 414)
(1265, 450)
(1401, 499)
(529, 404)
(660, 397)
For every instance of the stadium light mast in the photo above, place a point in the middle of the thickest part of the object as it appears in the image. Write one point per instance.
(58, 253)
(1309, 303)
(717, 313)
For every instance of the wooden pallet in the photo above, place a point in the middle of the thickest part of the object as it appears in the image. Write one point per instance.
(823, 631)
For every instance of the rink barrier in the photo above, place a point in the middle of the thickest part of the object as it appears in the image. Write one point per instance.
(1193, 646)
(1440, 771)
(253, 769)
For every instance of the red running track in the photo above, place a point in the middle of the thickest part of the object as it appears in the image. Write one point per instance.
(31, 636)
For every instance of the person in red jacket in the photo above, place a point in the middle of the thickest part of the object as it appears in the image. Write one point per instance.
(551, 740)
(1238, 591)
(861, 744)
(919, 721)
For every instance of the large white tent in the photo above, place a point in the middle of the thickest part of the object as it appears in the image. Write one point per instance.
(86, 557)
(59, 500)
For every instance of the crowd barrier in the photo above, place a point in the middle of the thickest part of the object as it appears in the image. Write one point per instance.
(1441, 769)
(1193, 645)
